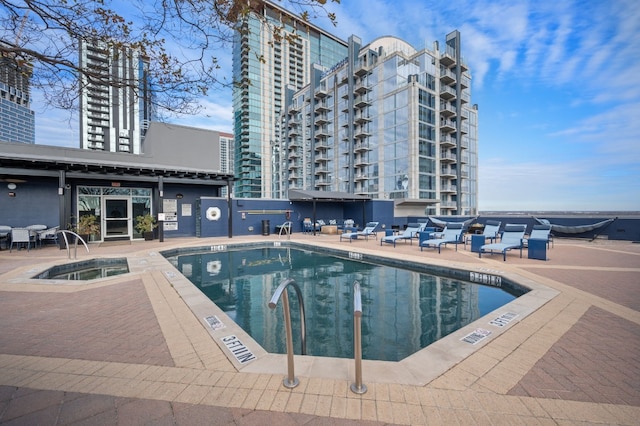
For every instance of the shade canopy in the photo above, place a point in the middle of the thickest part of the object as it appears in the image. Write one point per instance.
(303, 195)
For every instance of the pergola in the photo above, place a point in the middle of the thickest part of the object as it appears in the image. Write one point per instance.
(326, 197)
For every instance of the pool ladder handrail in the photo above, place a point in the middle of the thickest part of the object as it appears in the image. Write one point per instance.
(357, 387)
(287, 228)
(64, 233)
(290, 381)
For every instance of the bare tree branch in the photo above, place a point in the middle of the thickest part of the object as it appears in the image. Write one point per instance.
(181, 39)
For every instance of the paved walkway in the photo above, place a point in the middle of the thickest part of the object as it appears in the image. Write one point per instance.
(132, 350)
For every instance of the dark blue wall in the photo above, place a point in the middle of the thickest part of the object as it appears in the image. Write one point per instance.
(35, 203)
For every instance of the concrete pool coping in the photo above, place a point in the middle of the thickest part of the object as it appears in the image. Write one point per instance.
(417, 369)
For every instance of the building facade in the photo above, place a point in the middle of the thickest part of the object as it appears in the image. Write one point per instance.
(17, 120)
(115, 117)
(387, 121)
(265, 62)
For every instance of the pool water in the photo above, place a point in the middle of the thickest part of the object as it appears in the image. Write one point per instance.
(86, 270)
(403, 310)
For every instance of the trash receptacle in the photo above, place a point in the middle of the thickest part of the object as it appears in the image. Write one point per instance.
(265, 227)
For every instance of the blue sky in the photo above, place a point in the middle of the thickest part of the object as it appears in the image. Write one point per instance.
(557, 84)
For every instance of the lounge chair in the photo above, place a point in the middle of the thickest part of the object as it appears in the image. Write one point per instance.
(370, 229)
(452, 234)
(491, 230)
(408, 234)
(512, 237)
(539, 232)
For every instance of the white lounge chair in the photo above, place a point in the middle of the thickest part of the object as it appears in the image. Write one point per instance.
(452, 234)
(512, 237)
(408, 234)
(369, 230)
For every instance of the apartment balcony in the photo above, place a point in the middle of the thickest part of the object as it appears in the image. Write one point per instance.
(362, 88)
(447, 92)
(465, 98)
(361, 101)
(361, 147)
(323, 182)
(320, 93)
(321, 119)
(321, 107)
(448, 205)
(322, 131)
(448, 189)
(361, 133)
(361, 161)
(293, 165)
(321, 158)
(360, 177)
(361, 69)
(447, 141)
(448, 157)
(293, 154)
(465, 81)
(449, 172)
(447, 59)
(447, 110)
(293, 131)
(294, 107)
(322, 170)
(321, 145)
(361, 118)
(447, 76)
(447, 125)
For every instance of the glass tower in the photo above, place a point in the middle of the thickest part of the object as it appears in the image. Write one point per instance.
(265, 64)
(17, 120)
(388, 121)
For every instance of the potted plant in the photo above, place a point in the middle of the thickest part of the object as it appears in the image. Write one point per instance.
(86, 226)
(145, 224)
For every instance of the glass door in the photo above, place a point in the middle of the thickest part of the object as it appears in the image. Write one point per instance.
(117, 218)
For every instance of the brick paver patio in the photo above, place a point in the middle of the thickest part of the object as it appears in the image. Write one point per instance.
(129, 350)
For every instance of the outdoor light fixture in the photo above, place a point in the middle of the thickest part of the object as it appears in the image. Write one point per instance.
(11, 186)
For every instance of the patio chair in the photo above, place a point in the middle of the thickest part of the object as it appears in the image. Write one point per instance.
(490, 232)
(4, 235)
(48, 235)
(408, 234)
(452, 234)
(369, 230)
(539, 232)
(20, 236)
(512, 237)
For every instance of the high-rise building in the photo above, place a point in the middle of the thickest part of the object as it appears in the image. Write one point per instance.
(388, 121)
(264, 64)
(113, 117)
(17, 121)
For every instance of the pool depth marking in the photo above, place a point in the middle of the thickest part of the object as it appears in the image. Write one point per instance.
(214, 322)
(477, 277)
(503, 319)
(476, 336)
(242, 354)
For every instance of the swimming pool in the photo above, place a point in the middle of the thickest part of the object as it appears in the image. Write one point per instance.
(86, 270)
(404, 309)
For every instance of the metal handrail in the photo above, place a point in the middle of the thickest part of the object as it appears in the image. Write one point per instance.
(290, 381)
(357, 387)
(287, 225)
(64, 233)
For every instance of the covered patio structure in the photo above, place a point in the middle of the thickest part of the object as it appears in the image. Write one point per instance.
(315, 197)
